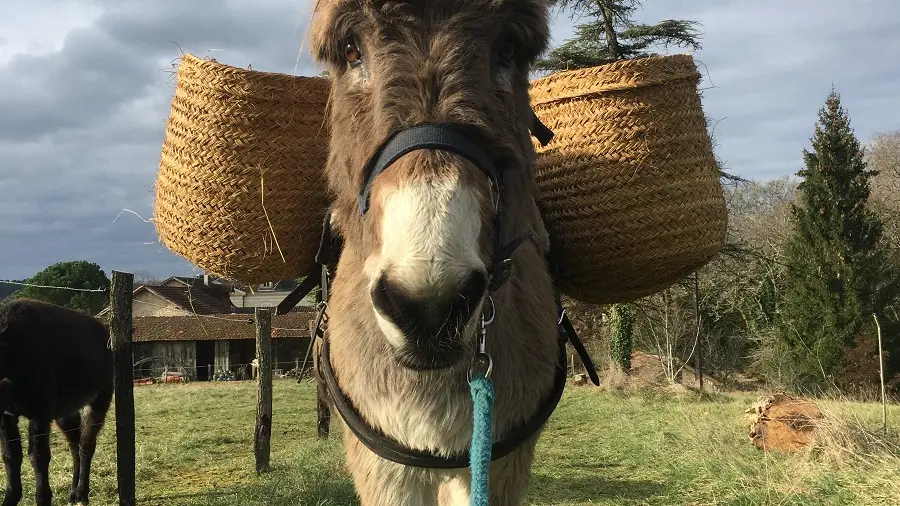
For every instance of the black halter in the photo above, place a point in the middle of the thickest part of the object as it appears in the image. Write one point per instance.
(447, 138)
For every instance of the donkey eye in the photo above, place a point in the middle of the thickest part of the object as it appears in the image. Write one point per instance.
(352, 53)
(506, 52)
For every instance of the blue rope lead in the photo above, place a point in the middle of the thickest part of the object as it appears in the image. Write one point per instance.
(482, 389)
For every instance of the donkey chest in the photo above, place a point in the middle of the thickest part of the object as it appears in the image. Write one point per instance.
(428, 419)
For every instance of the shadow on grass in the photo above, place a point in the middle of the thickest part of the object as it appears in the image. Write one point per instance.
(278, 488)
(553, 489)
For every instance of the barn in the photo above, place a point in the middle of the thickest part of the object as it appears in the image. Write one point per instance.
(211, 344)
(192, 325)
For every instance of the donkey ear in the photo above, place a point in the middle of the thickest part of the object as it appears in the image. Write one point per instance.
(322, 46)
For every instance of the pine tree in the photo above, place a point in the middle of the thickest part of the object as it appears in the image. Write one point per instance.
(611, 35)
(833, 257)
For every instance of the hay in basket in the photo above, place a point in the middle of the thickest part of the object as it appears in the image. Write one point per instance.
(240, 190)
(630, 188)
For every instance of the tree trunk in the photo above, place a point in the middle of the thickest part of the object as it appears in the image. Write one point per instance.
(612, 41)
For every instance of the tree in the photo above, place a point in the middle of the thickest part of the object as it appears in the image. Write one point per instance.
(833, 255)
(883, 156)
(7, 289)
(612, 35)
(622, 340)
(146, 278)
(76, 274)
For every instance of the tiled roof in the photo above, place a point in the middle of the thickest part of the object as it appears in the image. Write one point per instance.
(192, 299)
(217, 327)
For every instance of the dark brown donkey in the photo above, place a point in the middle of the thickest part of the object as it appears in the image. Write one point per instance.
(434, 200)
(54, 361)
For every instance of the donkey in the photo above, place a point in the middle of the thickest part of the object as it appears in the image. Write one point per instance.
(54, 361)
(434, 201)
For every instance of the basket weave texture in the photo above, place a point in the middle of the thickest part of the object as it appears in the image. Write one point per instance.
(240, 190)
(630, 189)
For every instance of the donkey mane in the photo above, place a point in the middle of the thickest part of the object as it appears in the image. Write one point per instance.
(461, 65)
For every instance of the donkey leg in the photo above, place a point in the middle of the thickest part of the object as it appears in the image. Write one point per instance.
(39, 453)
(12, 458)
(380, 482)
(455, 490)
(507, 480)
(92, 422)
(509, 477)
(71, 428)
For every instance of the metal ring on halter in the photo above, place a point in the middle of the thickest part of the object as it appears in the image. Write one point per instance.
(485, 323)
(562, 315)
(484, 361)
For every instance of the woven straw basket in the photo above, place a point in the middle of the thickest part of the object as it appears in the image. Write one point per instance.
(630, 189)
(240, 188)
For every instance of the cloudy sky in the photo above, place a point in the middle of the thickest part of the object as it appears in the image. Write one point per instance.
(85, 88)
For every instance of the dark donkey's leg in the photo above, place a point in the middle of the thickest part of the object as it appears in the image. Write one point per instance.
(71, 427)
(93, 420)
(12, 458)
(39, 452)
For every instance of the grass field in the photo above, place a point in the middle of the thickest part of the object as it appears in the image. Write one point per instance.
(194, 447)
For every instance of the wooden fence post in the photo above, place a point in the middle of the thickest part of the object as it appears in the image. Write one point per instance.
(881, 374)
(698, 357)
(263, 433)
(120, 324)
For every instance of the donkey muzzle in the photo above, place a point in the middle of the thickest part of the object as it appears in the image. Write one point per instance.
(431, 320)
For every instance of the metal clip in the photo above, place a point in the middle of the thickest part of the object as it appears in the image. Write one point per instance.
(482, 362)
(321, 317)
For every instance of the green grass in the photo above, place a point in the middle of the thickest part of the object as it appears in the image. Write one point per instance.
(194, 447)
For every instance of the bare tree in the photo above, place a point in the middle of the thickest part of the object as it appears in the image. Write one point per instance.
(145, 277)
(883, 156)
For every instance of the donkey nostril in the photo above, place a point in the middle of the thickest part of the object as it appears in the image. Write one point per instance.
(391, 300)
(437, 315)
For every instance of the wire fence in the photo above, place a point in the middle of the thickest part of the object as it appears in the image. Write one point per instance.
(145, 374)
(32, 285)
(165, 370)
(248, 317)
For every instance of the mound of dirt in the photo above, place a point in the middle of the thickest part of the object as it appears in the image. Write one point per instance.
(782, 423)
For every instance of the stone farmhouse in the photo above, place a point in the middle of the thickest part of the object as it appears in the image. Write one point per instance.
(203, 328)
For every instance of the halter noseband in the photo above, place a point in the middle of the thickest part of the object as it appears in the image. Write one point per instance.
(449, 138)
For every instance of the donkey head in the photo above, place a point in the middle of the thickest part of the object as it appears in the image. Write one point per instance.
(423, 224)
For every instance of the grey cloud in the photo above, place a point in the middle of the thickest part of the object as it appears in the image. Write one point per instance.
(81, 128)
(78, 85)
(772, 65)
(271, 32)
(106, 65)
